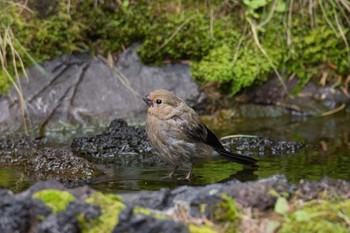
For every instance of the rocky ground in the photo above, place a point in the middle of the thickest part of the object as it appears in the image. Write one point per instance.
(266, 205)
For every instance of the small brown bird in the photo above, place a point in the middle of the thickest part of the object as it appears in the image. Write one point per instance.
(178, 135)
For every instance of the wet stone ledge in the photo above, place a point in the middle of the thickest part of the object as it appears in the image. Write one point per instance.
(120, 143)
(263, 146)
(270, 204)
(127, 145)
(43, 160)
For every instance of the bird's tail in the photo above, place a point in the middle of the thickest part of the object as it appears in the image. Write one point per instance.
(241, 159)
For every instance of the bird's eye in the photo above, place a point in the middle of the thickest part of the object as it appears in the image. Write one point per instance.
(158, 101)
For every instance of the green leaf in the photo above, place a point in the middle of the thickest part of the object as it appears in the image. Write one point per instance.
(273, 193)
(281, 6)
(302, 215)
(281, 206)
(255, 4)
(272, 226)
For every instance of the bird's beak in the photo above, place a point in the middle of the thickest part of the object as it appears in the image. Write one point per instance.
(148, 101)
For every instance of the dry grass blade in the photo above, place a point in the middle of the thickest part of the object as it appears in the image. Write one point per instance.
(333, 111)
(257, 42)
(345, 4)
(8, 44)
(269, 17)
(289, 25)
(120, 76)
(12, 64)
(238, 46)
(342, 34)
(311, 13)
(325, 16)
(30, 57)
(174, 33)
(238, 136)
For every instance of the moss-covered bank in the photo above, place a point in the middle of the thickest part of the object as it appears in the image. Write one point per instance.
(309, 207)
(236, 43)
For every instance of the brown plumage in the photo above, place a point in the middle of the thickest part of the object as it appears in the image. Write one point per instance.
(178, 135)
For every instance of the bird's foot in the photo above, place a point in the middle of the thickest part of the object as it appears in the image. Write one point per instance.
(171, 174)
(168, 177)
(185, 179)
(189, 175)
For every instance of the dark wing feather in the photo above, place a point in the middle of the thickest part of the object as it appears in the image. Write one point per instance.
(200, 133)
(218, 147)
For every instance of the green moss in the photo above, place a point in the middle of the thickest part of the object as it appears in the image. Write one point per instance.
(145, 211)
(55, 199)
(177, 36)
(4, 82)
(201, 229)
(216, 66)
(314, 51)
(214, 35)
(249, 68)
(192, 227)
(111, 206)
(227, 213)
(319, 216)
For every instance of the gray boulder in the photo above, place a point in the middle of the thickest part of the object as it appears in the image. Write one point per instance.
(84, 89)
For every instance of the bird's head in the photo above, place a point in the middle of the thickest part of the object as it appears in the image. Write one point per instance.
(162, 103)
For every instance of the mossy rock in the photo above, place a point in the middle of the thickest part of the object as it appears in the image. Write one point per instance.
(319, 217)
(227, 213)
(56, 200)
(110, 205)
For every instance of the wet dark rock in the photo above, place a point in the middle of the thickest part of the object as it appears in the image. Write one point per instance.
(14, 213)
(40, 160)
(311, 100)
(257, 194)
(263, 146)
(58, 223)
(118, 138)
(14, 141)
(249, 194)
(20, 212)
(41, 185)
(326, 188)
(132, 223)
(156, 200)
(66, 221)
(39, 208)
(80, 193)
(82, 89)
(124, 145)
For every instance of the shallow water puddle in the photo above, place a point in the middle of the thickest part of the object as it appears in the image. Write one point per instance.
(327, 154)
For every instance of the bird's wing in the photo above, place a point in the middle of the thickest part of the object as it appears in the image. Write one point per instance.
(190, 126)
(218, 147)
(198, 132)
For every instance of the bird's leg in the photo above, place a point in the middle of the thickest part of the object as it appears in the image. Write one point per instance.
(171, 174)
(189, 174)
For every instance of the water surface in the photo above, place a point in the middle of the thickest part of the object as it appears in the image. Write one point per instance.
(327, 154)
